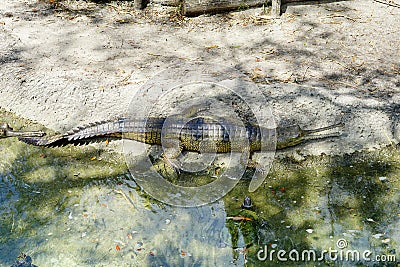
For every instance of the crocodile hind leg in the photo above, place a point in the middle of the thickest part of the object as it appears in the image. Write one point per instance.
(195, 109)
(173, 147)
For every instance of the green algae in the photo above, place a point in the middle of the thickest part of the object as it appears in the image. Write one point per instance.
(313, 203)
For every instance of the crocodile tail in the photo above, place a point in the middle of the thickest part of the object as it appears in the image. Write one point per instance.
(57, 140)
(93, 132)
(63, 140)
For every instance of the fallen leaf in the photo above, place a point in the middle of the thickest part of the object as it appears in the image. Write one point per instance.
(184, 254)
(212, 47)
(93, 158)
(238, 218)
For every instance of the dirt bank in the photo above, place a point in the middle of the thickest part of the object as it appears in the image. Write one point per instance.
(319, 63)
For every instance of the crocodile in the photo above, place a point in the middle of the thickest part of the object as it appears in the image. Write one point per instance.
(193, 135)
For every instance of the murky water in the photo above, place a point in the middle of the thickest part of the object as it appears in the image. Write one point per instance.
(79, 206)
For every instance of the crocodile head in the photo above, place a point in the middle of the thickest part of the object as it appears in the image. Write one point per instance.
(289, 136)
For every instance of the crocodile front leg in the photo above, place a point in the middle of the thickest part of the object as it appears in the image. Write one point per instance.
(172, 148)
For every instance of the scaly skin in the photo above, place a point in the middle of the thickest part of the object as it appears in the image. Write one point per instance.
(200, 134)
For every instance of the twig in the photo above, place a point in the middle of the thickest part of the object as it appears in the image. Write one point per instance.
(126, 197)
(389, 4)
(339, 16)
(13, 222)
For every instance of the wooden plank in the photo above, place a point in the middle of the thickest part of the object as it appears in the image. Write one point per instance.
(196, 7)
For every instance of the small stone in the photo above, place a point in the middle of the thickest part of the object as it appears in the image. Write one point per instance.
(247, 203)
(377, 236)
(138, 247)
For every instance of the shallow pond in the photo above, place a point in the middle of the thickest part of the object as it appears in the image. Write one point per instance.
(79, 206)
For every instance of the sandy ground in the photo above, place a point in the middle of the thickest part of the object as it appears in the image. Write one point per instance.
(318, 64)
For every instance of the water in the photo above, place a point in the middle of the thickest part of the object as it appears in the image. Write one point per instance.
(79, 206)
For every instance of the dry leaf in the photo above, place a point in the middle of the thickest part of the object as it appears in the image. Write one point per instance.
(212, 46)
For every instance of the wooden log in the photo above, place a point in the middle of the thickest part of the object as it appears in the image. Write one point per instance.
(196, 7)
(167, 2)
(140, 4)
(276, 8)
